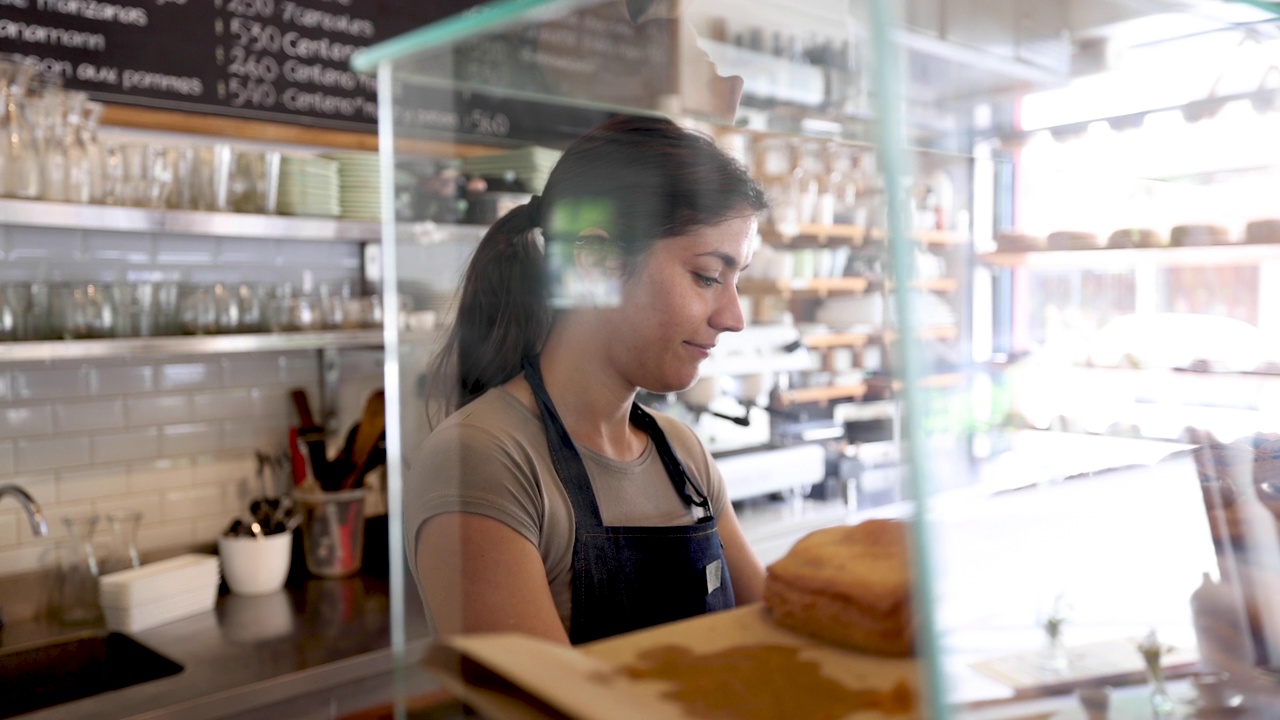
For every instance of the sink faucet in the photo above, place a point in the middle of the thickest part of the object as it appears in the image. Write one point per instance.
(28, 503)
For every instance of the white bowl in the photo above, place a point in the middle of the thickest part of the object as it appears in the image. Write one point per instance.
(255, 566)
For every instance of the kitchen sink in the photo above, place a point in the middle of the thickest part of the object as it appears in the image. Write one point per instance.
(42, 675)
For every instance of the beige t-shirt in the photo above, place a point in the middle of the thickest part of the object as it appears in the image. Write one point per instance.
(491, 458)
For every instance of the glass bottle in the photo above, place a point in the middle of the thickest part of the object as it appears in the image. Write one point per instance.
(94, 156)
(78, 185)
(78, 572)
(50, 119)
(804, 186)
(20, 168)
(124, 541)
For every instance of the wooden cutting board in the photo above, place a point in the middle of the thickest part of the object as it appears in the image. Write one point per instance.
(735, 665)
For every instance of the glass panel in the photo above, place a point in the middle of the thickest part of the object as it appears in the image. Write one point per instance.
(962, 311)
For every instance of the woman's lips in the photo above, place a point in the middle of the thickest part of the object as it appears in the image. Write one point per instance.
(700, 350)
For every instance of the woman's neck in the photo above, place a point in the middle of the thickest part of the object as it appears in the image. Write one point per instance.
(593, 400)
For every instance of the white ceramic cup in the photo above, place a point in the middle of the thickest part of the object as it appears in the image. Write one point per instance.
(255, 566)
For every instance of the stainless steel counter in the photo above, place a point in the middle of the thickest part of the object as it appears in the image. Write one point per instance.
(313, 637)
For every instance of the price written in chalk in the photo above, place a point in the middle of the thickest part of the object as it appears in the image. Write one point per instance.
(484, 122)
(247, 93)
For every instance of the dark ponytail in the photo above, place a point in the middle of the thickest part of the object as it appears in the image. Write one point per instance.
(653, 179)
(502, 316)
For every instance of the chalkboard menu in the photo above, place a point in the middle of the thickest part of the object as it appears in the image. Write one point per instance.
(289, 61)
(283, 60)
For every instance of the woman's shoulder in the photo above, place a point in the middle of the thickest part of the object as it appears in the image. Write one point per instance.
(497, 416)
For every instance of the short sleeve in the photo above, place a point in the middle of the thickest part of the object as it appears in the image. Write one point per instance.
(468, 468)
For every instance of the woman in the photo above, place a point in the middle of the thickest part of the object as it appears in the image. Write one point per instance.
(549, 502)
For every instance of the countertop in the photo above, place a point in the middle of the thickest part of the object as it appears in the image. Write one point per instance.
(294, 646)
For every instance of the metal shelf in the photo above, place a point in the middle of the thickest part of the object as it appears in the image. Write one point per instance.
(45, 350)
(77, 216)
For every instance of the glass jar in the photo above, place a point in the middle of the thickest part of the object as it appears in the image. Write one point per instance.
(19, 156)
(124, 541)
(78, 572)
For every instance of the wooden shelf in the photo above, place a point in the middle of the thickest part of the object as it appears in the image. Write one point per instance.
(1123, 258)
(944, 333)
(820, 287)
(943, 237)
(815, 236)
(938, 285)
(854, 236)
(931, 238)
(934, 382)
(822, 394)
(839, 340)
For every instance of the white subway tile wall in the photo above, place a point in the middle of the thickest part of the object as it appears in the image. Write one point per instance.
(184, 458)
(172, 437)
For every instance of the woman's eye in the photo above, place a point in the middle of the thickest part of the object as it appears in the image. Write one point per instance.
(707, 280)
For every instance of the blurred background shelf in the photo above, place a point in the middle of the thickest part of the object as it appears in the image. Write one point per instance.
(114, 218)
(45, 350)
(1103, 259)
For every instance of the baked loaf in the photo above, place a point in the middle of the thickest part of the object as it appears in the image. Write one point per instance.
(1262, 231)
(1136, 238)
(848, 585)
(1188, 235)
(1072, 240)
(1019, 242)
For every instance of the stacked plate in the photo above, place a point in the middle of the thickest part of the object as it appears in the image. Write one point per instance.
(309, 186)
(358, 185)
(159, 592)
(531, 165)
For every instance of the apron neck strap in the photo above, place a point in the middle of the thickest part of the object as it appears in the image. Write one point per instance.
(573, 473)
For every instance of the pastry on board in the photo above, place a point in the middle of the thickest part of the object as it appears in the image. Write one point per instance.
(848, 585)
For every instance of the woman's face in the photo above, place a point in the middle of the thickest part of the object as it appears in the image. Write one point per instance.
(674, 306)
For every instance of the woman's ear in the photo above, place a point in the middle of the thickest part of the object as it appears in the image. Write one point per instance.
(597, 269)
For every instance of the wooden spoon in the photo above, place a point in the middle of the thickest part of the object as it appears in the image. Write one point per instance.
(372, 425)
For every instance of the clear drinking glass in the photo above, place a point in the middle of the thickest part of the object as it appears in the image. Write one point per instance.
(78, 572)
(124, 541)
(135, 305)
(183, 195)
(24, 311)
(148, 175)
(213, 172)
(84, 310)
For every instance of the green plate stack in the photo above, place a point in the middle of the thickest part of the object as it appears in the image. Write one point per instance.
(359, 188)
(531, 165)
(309, 186)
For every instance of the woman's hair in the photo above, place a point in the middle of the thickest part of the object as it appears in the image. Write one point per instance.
(639, 179)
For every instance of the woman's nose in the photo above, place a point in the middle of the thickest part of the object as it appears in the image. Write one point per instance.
(728, 315)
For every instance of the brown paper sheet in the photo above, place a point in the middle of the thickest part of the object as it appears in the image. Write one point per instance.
(514, 677)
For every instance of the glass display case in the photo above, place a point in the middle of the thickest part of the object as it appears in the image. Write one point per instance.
(983, 300)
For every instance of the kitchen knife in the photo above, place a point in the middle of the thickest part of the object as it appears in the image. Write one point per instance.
(313, 435)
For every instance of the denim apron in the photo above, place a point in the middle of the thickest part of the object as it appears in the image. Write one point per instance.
(628, 578)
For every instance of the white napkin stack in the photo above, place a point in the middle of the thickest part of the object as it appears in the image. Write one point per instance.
(159, 592)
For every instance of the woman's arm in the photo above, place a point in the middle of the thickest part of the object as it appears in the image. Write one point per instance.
(481, 576)
(745, 569)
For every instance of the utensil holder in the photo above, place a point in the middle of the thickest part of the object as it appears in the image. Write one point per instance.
(333, 531)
